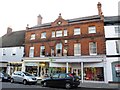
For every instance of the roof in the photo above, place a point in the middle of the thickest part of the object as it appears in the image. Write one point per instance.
(111, 19)
(13, 39)
(75, 20)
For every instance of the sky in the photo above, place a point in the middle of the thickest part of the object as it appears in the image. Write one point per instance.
(18, 13)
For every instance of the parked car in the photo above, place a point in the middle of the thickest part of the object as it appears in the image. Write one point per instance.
(4, 76)
(23, 77)
(66, 80)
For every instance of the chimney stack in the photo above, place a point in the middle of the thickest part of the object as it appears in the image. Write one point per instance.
(99, 9)
(9, 30)
(39, 20)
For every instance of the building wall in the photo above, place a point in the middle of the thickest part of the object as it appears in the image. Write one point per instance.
(84, 38)
(11, 55)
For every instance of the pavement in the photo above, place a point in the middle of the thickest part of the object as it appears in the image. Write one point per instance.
(96, 85)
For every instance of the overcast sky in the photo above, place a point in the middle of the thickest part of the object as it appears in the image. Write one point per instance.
(18, 13)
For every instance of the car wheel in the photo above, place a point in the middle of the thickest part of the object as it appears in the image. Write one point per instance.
(67, 85)
(24, 82)
(12, 80)
(44, 84)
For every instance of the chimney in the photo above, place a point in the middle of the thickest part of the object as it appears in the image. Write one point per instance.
(9, 30)
(39, 20)
(99, 9)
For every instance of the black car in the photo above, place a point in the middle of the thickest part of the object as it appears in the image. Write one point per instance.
(66, 80)
(4, 76)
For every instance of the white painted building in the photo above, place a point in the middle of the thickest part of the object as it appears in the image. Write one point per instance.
(12, 50)
(112, 35)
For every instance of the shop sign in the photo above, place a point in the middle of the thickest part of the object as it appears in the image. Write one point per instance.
(31, 64)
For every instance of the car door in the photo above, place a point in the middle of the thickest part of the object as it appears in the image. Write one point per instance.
(54, 80)
(62, 79)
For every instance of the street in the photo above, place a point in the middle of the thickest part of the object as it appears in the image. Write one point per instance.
(18, 86)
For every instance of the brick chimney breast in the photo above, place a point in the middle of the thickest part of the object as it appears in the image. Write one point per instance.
(9, 30)
(99, 9)
(39, 20)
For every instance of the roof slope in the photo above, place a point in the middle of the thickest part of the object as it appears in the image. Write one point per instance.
(111, 19)
(13, 39)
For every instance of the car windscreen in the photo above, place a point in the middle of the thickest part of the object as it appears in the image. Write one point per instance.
(28, 74)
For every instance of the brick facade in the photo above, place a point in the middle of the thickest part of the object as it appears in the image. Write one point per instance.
(84, 38)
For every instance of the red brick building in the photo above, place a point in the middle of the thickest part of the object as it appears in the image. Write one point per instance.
(73, 45)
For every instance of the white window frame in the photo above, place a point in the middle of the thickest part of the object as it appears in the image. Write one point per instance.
(32, 37)
(59, 33)
(3, 52)
(91, 48)
(41, 49)
(91, 29)
(14, 50)
(117, 30)
(77, 49)
(53, 34)
(52, 52)
(43, 35)
(77, 31)
(31, 54)
(65, 33)
(59, 46)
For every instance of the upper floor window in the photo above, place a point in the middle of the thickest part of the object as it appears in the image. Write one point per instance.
(42, 51)
(77, 31)
(52, 51)
(77, 49)
(32, 37)
(31, 52)
(65, 51)
(93, 48)
(59, 49)
(43, 35)
(65, 32)
(117, 30)
(4, 52)
(14, 51)
(66, 41)
(118, 47)
(92, 29)
(58, 33)
(53, 33)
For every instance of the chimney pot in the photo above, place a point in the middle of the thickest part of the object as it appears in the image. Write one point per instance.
(39, 19)
(9, 30)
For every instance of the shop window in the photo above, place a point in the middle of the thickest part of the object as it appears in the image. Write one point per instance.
(77, 49)
(93, 48)
(42, 51)
(94, 73)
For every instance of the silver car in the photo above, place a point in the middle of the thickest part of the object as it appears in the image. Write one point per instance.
(23, 77)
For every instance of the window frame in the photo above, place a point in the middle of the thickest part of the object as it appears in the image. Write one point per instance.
(77, 49)
(32, 37)
(41, 51)
(31, 53)
(59, 33)
(77, 31)
(43, 35)
(91, 49)
(90, 29)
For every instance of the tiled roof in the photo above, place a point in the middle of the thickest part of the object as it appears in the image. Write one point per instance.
(13, 39)
(69, 21)
(111, 19)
